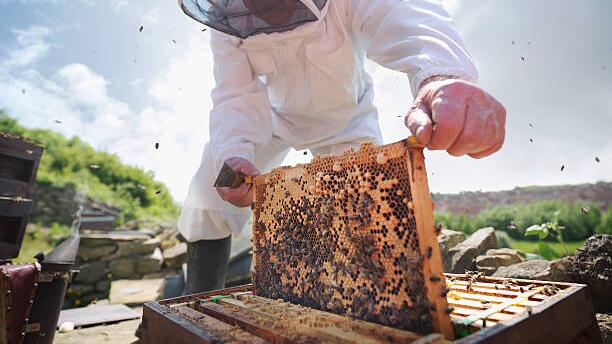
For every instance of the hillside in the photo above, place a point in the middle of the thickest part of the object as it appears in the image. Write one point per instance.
(472, 203)
(72, 169)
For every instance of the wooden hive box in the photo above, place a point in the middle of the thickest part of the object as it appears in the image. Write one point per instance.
(354, 235)
(19, 161)
(537, 312)
(14, 216)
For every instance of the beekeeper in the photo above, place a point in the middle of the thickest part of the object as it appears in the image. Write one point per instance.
(290, 73)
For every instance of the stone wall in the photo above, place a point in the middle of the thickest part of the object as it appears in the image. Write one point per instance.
(105, 257)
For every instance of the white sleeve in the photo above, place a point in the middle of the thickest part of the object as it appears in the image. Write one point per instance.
(416, 37)
(241, 117)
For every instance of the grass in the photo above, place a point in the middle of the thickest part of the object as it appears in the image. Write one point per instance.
(532, 246)
(30, 247)
(39, 239)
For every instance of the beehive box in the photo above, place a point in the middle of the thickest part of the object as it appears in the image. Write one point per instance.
(14, 216)
(19, 161)
(484, 310)
(354, 235)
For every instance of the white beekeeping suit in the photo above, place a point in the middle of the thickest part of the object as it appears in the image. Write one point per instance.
(306, 87)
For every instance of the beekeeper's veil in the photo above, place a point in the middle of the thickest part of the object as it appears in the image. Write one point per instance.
(243, 18)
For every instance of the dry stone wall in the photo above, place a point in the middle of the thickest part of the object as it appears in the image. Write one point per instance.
(105, 257)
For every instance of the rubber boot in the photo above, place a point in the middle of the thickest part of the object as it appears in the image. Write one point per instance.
(207, 264)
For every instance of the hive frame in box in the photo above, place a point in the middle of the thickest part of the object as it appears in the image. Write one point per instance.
(353, 234)
(225, 315)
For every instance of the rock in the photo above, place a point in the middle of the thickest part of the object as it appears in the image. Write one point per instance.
(122, 267)
(137, 247)
(79, 289)
(150, 263)
(168, 238)
(462, 256)
(176, 255)
(96, 245)
(495, 258)
(536, 269)
(506, 252)
(102, 286)
(65, 327)
(593, 267)
(447, 240)
(113, 236)
(605, 327)
(93, 252)
(133, 292)
(91, 272)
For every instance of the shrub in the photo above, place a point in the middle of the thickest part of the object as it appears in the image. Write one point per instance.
(580, 219)
(605, 225)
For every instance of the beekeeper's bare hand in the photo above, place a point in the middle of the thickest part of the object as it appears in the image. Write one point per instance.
(458, 117)
(241, 196)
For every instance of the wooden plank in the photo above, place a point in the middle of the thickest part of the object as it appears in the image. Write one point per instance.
(433, 267)
(500, 280)
(96, 314)
(220, 330)
(324, 324)
(458, 295)
(559, 319)
(257, 324)
(492, 288)
(466, 312)
(192, 297)
(477, 305)
(162, 325)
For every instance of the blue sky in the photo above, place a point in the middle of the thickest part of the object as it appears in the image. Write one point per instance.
(86, 64)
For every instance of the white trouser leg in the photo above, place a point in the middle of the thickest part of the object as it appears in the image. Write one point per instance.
(205, 216)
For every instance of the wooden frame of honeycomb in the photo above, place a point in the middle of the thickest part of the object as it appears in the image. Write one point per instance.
(353, 234)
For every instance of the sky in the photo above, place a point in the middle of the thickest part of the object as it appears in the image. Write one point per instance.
(84, 67)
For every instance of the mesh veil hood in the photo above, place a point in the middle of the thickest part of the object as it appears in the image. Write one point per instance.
(244, 18)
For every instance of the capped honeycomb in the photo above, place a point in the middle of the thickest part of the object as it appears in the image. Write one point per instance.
(354, 235)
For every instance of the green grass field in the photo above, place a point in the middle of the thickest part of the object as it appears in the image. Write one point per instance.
(532, 246)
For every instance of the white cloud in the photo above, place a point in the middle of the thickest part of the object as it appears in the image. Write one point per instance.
(31, 46)
(79, 97)
(118, 5)
(150, 16)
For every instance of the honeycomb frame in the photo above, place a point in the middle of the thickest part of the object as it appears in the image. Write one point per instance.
(353, 234)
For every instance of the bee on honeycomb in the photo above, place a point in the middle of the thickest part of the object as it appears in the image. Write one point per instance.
(342, 234)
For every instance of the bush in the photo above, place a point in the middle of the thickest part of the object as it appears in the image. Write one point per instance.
(580, 219)
(605, 225)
